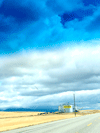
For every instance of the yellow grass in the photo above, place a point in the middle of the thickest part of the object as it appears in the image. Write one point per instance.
(13, 120)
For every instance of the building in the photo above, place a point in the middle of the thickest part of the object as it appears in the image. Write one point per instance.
(65, 108)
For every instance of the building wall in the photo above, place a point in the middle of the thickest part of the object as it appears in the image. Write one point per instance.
(65, 108)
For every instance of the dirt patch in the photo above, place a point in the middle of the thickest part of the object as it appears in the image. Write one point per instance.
(13, 120)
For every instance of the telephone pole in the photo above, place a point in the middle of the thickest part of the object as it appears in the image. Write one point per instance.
(74, 105)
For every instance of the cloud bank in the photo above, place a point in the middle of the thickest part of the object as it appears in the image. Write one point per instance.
(44, 76)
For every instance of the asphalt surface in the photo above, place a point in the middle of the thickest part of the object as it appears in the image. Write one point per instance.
(83, 124)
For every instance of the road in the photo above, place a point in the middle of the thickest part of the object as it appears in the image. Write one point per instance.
(83, 124)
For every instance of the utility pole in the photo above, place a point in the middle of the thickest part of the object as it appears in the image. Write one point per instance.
(74, 105)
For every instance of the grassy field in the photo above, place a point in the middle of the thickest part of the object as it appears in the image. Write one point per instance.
(13, 120)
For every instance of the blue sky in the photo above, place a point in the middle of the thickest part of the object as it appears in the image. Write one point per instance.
(53, 45)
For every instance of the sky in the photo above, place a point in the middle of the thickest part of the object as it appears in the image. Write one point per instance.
(49, 50)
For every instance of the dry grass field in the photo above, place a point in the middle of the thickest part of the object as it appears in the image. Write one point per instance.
(13, 120)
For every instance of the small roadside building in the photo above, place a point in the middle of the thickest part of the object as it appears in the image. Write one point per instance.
(65, 108)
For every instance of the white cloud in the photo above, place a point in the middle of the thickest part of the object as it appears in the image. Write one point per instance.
(49, 75)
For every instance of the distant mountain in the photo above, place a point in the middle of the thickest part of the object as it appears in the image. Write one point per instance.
(29, 109)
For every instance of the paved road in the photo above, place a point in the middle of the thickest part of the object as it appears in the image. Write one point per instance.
(83, 124)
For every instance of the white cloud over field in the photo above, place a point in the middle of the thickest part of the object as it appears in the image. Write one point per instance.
(38, 78)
